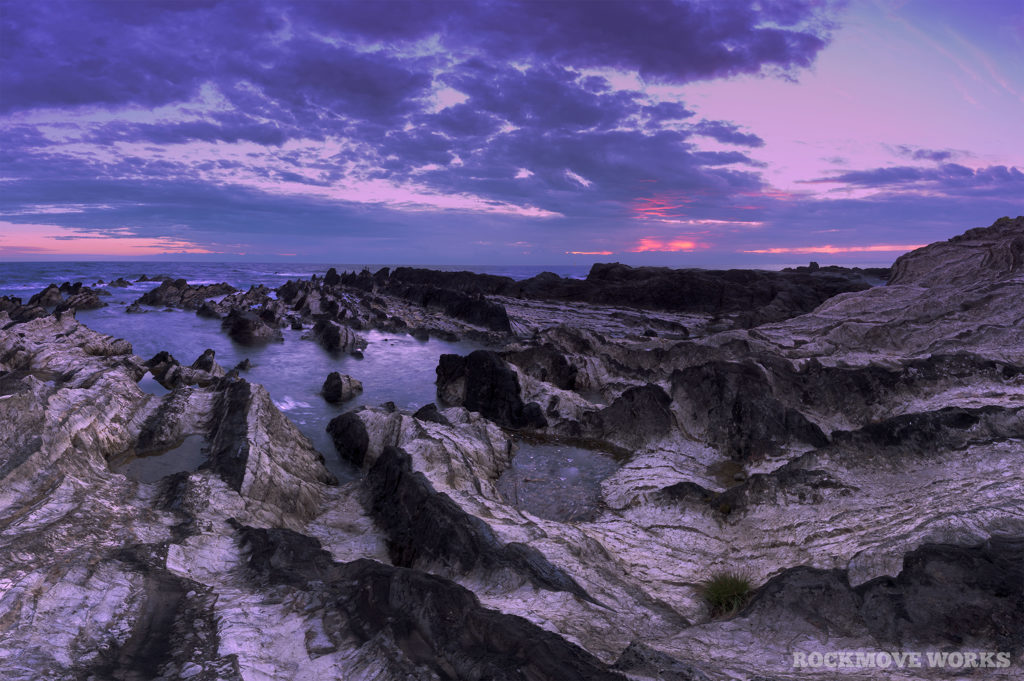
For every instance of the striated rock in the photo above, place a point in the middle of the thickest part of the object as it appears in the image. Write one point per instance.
(426, 528)
(83, 300)
(414, 623)
(51, 296)
(340, 388)
(993, 252)
(732, 406)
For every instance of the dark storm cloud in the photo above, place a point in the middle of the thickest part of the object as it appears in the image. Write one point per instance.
(361, 78)
(674, 41)
(226, 128)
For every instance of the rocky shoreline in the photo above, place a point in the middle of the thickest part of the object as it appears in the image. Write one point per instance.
(854, 450)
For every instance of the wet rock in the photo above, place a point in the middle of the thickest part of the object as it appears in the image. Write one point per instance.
(179, 293)
(545, 364)
(426, 528)
(484, 383)
(430, 412)
(49, 297)
(247, 328)
(334, 337)
(340, 388)
(733, 405)
(638, 416)
(428, 623)
(350, 438)
(83, 300)
(211, 310)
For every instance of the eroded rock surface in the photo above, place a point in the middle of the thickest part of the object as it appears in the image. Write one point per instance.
(860, 464)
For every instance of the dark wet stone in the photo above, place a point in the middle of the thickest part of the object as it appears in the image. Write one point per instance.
(430, 412)
(425, 527)
(348, 432)
(484, 383)
(247, 328)
(435, 625)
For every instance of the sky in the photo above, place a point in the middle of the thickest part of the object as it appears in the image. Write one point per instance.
(690, 133)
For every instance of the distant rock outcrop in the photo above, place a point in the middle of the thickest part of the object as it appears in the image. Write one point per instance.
(991, 252)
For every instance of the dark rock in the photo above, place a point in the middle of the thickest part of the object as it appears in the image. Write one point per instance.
(48, 297)
(430, 412)
(340, 388)
(348, 432)
(206, 361)
(426, 528)
(83, 300)
(244, 365)
(332, 278)
(179, 293)
(434, 625)
(334, 337)
(546, 364)
(733, 403)
(210, 310)
(484, 383)
(638, 416)
(246, 328)
(639, 658)
(946, 596)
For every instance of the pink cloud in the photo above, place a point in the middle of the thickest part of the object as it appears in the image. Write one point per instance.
(655, 245)
(589, 252)
(876, 248)
(21, 239)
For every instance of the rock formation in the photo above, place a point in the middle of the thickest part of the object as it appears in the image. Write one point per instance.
(340, 388)
(859, 463)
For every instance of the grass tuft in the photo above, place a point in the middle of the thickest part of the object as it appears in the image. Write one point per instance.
(726, 592)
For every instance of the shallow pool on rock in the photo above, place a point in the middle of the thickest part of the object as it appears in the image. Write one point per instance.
(556, 481)
(187, 456)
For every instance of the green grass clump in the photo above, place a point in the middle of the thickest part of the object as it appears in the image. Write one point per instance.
(726, 592)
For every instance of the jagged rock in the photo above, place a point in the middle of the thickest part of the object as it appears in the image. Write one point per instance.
(429, 412)
(179, 293)
(643, 660)
(483, 382)
(20, 313)
(211, 310)
(997, 250)
(247, 328)
(334, 337)
(426, 528)
(49, 297)
(428, 623)
(350, 438)
(545, 364)
(340, 388)
(83, 300)
(637, 417)
(733, 405)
